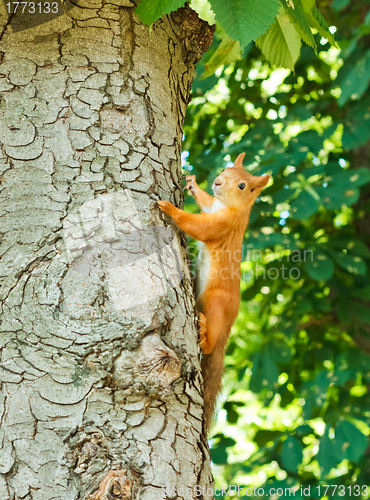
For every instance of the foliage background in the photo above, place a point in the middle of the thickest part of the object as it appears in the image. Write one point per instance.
(296, 404)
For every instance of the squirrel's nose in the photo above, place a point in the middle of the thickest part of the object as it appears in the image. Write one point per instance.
(217, 182)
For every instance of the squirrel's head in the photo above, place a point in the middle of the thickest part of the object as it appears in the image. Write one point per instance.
(236, 188)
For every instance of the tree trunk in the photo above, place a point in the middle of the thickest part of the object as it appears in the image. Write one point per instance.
(100, 373)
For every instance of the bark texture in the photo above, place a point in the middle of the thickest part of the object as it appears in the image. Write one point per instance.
(100, 373)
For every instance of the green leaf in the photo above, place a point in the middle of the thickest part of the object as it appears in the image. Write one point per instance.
(354, 135)
(227, 441)
(280, 351)
(351, 263)
(351, 443)
(281, 45)
(308, 406)
(282, 195)
(360, 112)
(322, 382)
(353, 245)
(308, 5)
(308, 141)
(201, 85)
(264, 436)
(267, 240)
(326, 455)
(356, 81)
(333, 196)
(255, 382)
(245, 21)
(340, 4)
(298, 17)
(321, 268)
(232, 414)
(227, 52)
(270, 370)
(341, 374)
(317, 21)
(219, 455)
(304, 206)
(304, 430)
(291, 454)
(151, 10)
(352, 177)
(264, 372)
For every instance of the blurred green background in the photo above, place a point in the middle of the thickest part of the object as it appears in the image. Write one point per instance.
(295, 409)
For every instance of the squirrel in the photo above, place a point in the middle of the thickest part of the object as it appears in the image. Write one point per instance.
(220, 229)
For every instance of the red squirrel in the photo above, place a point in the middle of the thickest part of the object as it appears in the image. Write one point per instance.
(220, 227)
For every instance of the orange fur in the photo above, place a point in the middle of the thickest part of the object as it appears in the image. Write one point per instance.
(221, 227)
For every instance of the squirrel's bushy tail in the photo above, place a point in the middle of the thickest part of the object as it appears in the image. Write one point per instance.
(212, 371)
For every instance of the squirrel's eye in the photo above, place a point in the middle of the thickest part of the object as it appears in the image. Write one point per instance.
(252, 190)
(241, 185)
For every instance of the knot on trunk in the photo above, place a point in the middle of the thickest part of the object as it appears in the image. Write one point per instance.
(196, 33)
(153, 363)
(115, 486)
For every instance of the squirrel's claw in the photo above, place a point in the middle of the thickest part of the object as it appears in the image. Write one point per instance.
(190, 183)
(165, 206)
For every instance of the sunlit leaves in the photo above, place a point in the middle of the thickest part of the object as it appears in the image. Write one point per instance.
(307, 5)
(281, 45)
(348, 443)
(299, 19)
(227, 52)
(279, 32)
(317, 21)
(245, 20)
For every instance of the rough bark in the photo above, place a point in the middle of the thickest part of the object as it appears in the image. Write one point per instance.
(100, 374)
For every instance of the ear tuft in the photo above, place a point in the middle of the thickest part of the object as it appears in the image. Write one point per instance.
(239, 160)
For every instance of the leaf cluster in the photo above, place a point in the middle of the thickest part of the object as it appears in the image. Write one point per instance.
(277, 27)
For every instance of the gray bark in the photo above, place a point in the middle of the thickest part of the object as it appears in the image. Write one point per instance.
(100, 373)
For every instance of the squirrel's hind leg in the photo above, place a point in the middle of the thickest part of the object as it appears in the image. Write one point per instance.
(219, 310)
(202, 323)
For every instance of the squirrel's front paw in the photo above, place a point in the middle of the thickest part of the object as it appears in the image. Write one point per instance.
(190, 183)
(166, 206)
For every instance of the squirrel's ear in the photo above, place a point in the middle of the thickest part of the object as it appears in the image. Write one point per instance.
(239, 160)
(262, 181)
